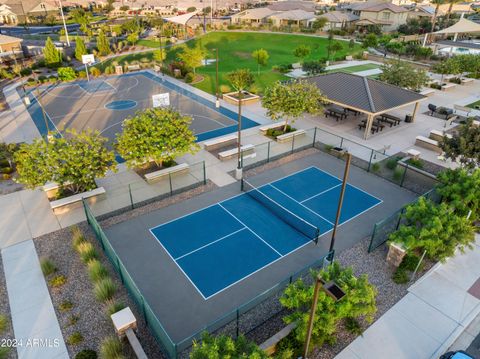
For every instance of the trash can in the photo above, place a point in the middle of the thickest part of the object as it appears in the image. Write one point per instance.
(408, 118)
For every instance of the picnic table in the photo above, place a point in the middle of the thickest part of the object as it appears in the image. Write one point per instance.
(376, 126)
(338, 114)
(391, 120)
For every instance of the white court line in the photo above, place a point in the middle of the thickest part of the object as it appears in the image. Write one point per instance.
(209, 244)
(254, 233)
(301, 204)
(46, 114)
(320, 193)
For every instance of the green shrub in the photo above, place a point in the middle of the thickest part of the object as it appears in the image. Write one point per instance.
(82, 75)
(392, 163)
(3, 323)
(398, 174)
(353, 326)
(25, 72)
(189, 77)
(95, 72)
(96, 270)
(66, 74)
(225, 89)
(400, 276)
(375, 167)
(410, 262)
(111, 348)
(7, 170)
(57, 281)
(87, 251)
(87, 354)
(42, 78)
(6, 176)
(65, 306)
(75, 339)
(415, 163)
(105, 289)
(47, 266)
(113, 307)
(73, 319)
(4, 351)
(290, 343)
(4, 163)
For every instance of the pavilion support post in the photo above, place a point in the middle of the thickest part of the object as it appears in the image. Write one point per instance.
(368, 127)
(415, 110)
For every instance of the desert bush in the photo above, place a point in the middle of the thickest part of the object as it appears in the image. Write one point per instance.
(96, 270)
(105, 289)
(47, 266)
(111, 348)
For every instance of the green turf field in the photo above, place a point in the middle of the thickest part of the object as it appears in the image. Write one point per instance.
(235, 49)
(475, 105)
(357, 68)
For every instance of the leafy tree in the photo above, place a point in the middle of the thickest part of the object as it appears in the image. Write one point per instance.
(320, 23)
(159, 55)
(334, 47)
(155, 135)
(95, 72)
(447, 67)
(371, 40)
(225, 347)
(467, 63)
(464, 145)
(124, 8)
(192, 57)
(403, 74)
(461, 190)
(313, 67)
(191, 9)
(132, 38)
(435, 14)
(240, 80)
(73, 161)
(358, 304)
(66, 74)
(302, 51)
(109, 6)
(290, 101)
(261, 58)
(82, 18)
(103, 45)
(80, 48)
(53, 57)
(437, 229)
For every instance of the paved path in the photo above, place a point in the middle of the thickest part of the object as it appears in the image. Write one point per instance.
(425, 323)
(32, 312)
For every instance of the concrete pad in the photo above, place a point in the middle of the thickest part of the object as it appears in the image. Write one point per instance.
(445, 296)
(463, 269)
(53, 348)
(347, 353)
(39, 215)
(13, 224)
(219, 177)
(394, 336)
(424, 316)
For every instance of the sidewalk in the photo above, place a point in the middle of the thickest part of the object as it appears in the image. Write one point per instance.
(33, 315)
(428, 320)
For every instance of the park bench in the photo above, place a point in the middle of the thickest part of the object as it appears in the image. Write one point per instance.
(465, 109)
(228, 154)
(271, 126)
(220, 142)
(158, 175)
(428, 143)
(286, 137)
(76, 198)
(133, 67)
(467, 80)
(448, 87)
(427, 92)
(438, 135)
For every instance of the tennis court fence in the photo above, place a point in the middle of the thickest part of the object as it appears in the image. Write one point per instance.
(364, 157)
(245, 319)
(383, 229)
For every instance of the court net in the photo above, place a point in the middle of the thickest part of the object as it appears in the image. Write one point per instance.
(301, 225)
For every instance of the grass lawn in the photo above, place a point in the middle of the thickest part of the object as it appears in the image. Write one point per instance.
(235, 50)
(149, 43)
(475, 105)
(357, 68)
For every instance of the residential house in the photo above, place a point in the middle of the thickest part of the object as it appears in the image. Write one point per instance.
(339, 20)
(253, 17)
(300, 18)
(10, 47)
(385, 15)
(32, 10)
(7, 16)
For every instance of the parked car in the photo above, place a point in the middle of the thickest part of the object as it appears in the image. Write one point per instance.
(459, 354)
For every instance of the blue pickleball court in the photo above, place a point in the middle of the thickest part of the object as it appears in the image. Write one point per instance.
(223, 244)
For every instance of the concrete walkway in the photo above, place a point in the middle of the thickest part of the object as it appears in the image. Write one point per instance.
(33, 317)
(434, 313)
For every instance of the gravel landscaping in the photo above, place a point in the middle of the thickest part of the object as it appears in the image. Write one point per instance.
(5, 310)
(87, 316)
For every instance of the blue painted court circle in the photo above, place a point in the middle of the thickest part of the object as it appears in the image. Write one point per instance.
(121, 105)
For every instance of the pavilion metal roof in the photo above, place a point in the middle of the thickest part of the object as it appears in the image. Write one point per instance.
(362, 93)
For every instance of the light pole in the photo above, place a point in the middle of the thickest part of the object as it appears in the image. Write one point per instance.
(332, 290)
(217, 94)
(340, 204)
(64, 23)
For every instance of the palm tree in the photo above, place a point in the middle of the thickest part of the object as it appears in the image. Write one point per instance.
(435, 14)
(450, 7)
(240, 80)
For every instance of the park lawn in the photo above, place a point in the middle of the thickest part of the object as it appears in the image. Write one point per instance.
(235, 49)
(148, 43)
